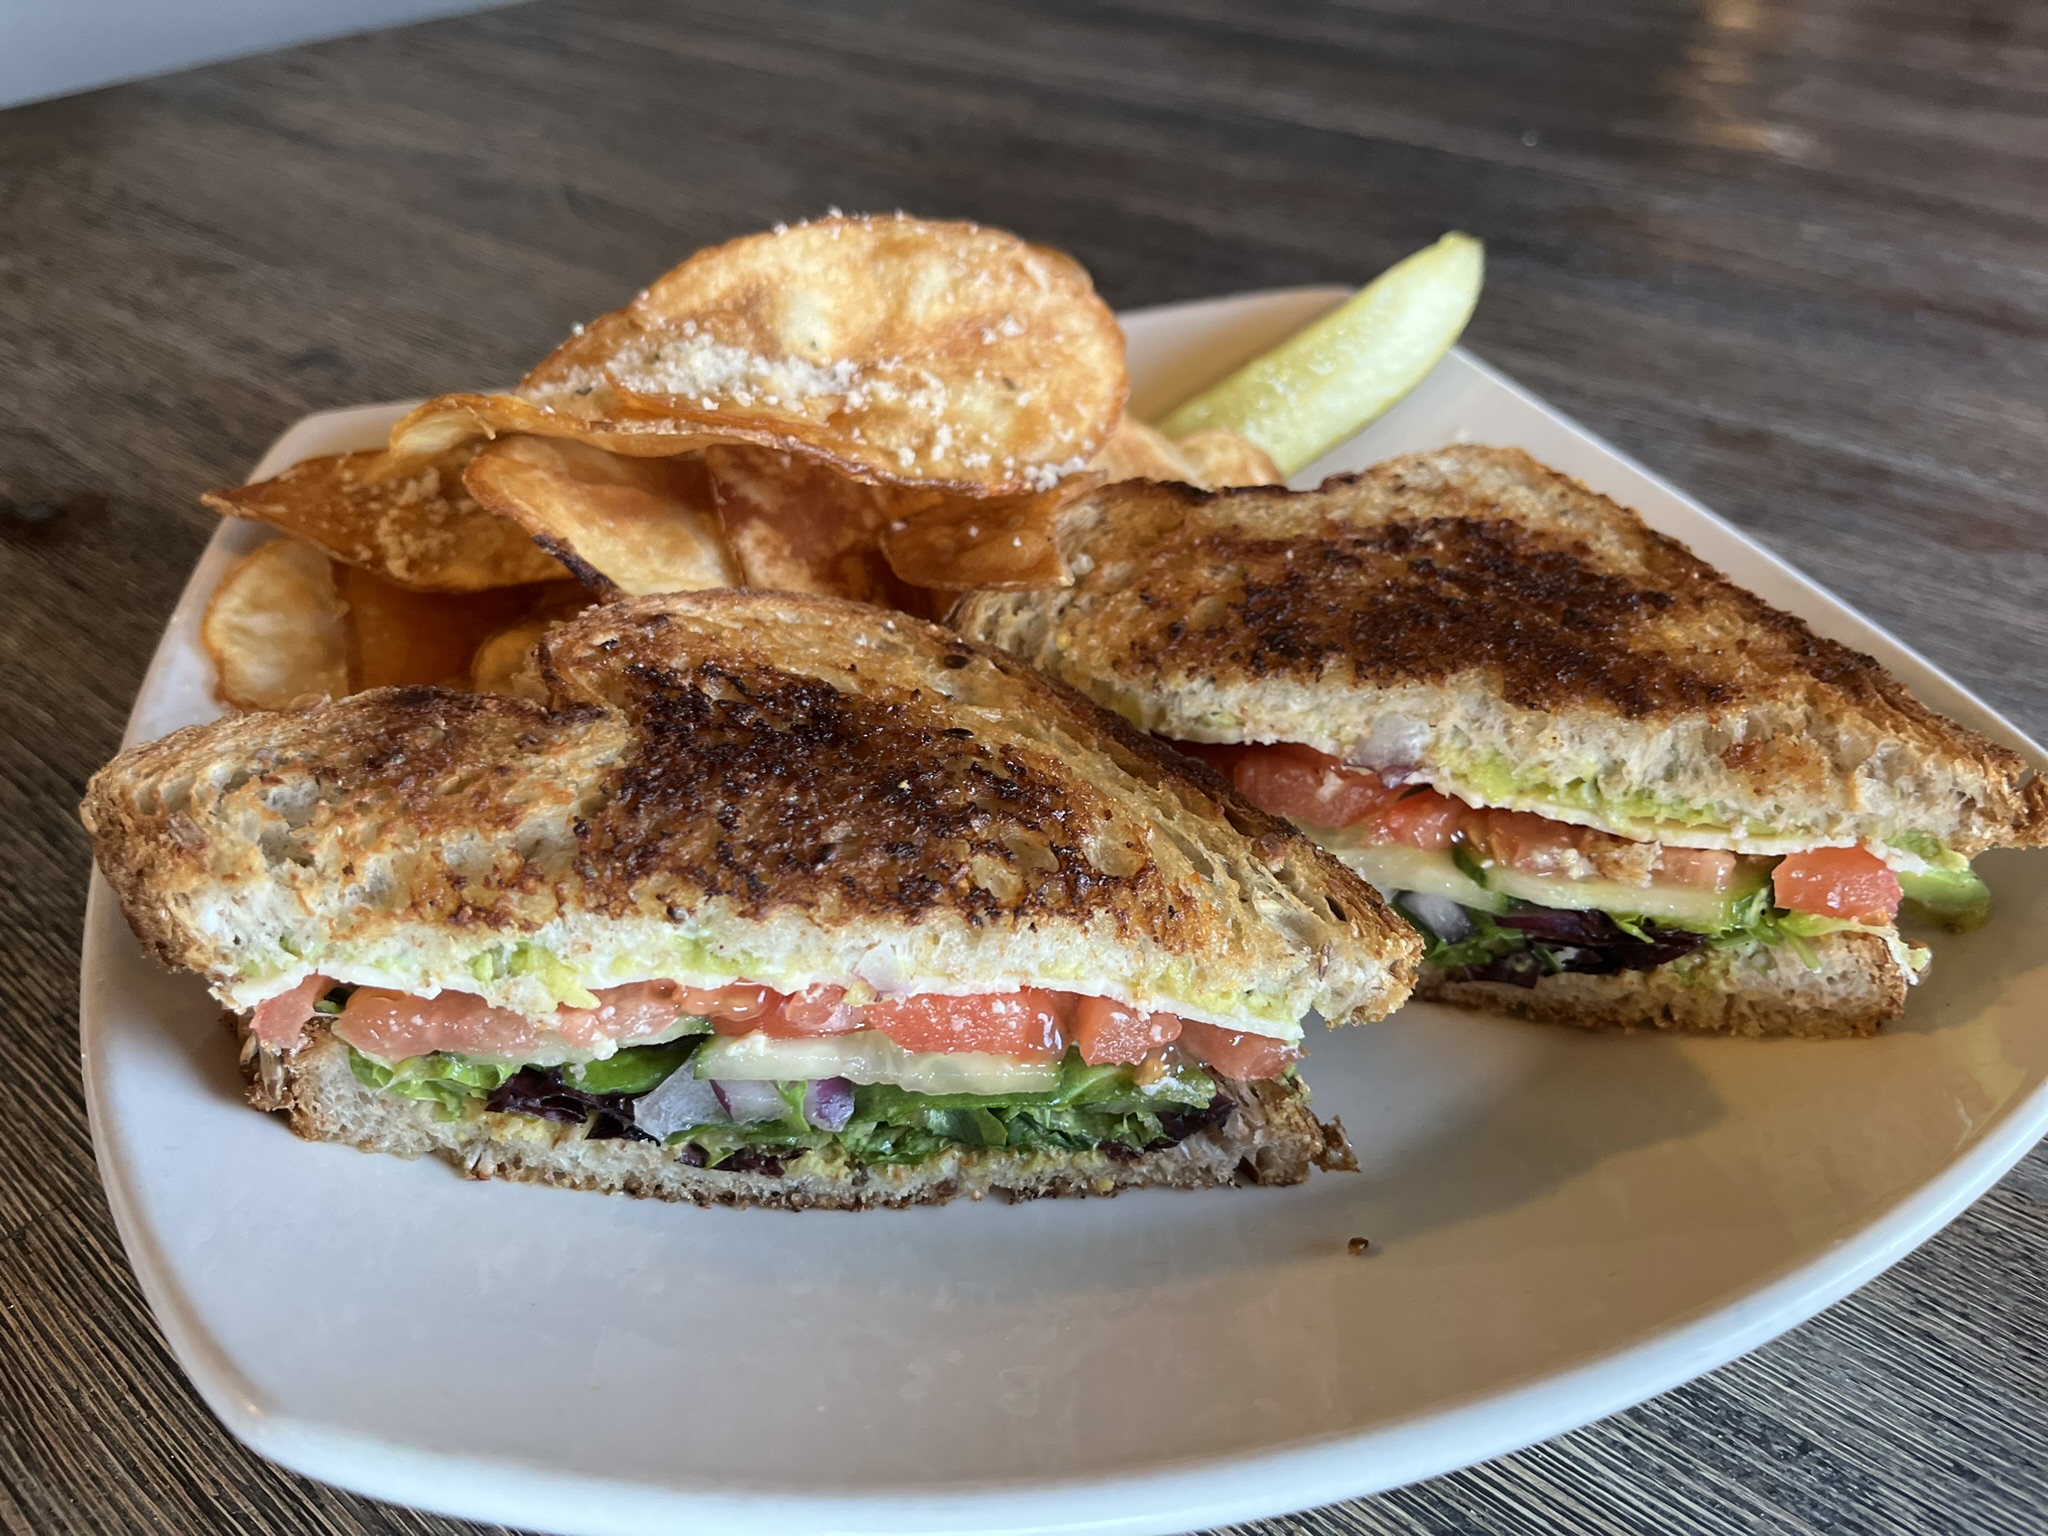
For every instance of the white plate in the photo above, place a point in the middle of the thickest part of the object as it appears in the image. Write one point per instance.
(1561, 1225)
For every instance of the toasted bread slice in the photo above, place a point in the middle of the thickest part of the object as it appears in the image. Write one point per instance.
(1500, 631)
(1840, 985)
(1269, 1137)
(727, 785)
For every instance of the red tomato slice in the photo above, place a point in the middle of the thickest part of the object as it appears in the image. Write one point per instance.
(1534, 844)
(279, 1021)
(1107, 1031)
(817, 1010)
(1302, 784)
(394, 1025)
(1851, 883)
(1422, 818)
(1248, 1057)
(1023, 1024)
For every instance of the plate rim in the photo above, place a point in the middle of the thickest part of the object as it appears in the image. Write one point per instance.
(1219, 1489)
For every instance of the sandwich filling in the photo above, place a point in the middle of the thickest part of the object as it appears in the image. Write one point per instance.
(746, 1077)
(1512, 896)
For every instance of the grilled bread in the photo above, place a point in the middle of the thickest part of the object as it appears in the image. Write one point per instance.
(1530, 642)
(733, 806)
(1470, 621)
(1270, 1137)
(1838, 986)
(727, 784)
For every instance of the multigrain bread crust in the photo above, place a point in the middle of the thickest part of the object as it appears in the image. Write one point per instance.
(1470, 607)
(725, 784)
(1271, 1137)
(1844, 986)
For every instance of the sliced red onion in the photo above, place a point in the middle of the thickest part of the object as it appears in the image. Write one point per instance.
(1439, 914)
(750, 1102)
(828, 1103)
(679, 1102)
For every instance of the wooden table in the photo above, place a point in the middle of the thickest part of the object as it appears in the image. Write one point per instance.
(1793, 256)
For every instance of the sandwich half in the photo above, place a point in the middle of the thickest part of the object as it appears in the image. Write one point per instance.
(776, 900)
(1608, 786)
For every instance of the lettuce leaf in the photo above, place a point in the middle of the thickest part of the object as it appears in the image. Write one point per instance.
(1090, 1107)
(450, 1082)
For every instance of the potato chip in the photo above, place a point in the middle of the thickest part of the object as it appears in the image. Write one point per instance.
(1212, 458)
(407, 518)
(397, 636)
(1003, 544)
(897, 350)
(274, 629)
(1138, 452)
(796, 526)
(1220, 459)
(624, 525)
(506, 662)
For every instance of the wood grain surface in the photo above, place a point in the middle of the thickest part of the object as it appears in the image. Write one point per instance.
(1794, 256)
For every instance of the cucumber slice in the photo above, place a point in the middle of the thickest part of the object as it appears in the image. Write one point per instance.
(869, 1056)
(1323, 384)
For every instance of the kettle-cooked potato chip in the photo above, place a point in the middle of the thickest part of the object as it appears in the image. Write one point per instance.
(274, 629)
(1220, 459)
(1212, 458)
(407, 518)
(397, 636)
(796, 526)
(623, 524)
(1138, 452)
(1003, 544)
(899, 351)
(506, 661)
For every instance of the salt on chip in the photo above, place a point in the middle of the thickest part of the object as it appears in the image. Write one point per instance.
(897, 350)
(796, 526)
(407, 517)
(274, 629)
(624, 525)
(1002, 544)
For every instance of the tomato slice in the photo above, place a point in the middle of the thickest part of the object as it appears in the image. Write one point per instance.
(1851, 883)
(1422, 818)
(1107, 1031)
(1245, 1056)
(279, 1021)
(1025, 1024)
(1302, 784)
(1534, 844)
(394, 1025)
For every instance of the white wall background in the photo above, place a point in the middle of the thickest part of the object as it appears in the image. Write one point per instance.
(55, 47)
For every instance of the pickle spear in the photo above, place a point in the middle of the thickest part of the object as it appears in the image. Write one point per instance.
(1332, 378)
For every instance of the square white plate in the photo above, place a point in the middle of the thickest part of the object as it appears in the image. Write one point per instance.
(1561, 1225)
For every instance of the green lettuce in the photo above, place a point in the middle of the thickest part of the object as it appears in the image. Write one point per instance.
(635, 1068)
(1091, 1106)
(450, 1082)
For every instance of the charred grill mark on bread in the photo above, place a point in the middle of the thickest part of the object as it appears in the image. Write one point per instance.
(777, 769)
(1427, 598)
(1504, 611)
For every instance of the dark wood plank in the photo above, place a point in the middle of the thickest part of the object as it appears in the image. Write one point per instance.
(1794, 256)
